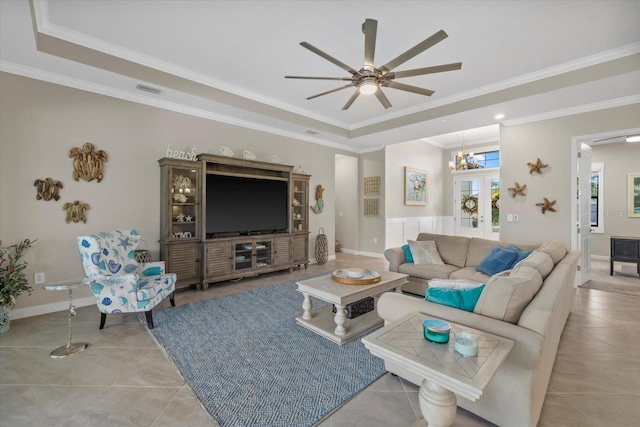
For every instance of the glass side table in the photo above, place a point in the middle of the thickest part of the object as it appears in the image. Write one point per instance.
(70, 348)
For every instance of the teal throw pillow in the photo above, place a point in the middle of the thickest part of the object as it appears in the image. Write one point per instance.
(463, 299)
(499, 259)
(408, 257)
(521, 255)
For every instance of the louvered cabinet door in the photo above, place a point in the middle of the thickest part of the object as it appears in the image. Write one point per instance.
(282, 250)
(184, 260)
(301, 249)
(218, 258)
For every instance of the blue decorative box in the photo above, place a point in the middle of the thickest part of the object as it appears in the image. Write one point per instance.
(436, 330)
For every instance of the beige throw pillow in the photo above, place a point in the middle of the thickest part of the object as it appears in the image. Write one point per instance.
(424, 252)
(506, 297)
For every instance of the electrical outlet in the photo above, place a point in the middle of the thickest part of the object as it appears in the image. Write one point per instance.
(509, 217)
(375, 240)
(38, 278)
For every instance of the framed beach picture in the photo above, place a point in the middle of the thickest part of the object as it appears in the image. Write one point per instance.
(415, 186)
(634, 195)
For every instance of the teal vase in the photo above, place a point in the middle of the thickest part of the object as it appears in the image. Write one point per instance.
(5, 315)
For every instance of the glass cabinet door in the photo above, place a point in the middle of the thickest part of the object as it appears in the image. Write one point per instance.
(185, 185)
(299, 201)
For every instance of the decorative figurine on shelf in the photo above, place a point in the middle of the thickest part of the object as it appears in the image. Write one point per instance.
(248, 155)
(547, 205)
(181, 182)
(295, 202)
(180, 218)
(87, 163)
(275, 159)
(226, 151)
(536, 167)
(76, 211)
(517, 190)
(179, 198)
(319, 202)
(47, 189)
(188, 218)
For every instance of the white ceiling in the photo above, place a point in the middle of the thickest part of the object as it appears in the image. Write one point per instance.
(226, 60)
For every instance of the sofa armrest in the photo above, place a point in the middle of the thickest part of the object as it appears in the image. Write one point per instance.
(395, 256)
(150, 268)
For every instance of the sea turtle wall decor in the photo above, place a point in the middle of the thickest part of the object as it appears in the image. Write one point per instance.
(47, 189)
(88, 164)
(76, 211)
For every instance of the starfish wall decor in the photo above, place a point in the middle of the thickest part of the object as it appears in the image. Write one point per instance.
(536, 167)
(517, 190)
(547, 205)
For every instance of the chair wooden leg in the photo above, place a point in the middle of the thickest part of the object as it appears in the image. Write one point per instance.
(172, 298)
(103, 318)
(149, 319)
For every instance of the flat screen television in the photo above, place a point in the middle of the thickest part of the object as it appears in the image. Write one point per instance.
(246, 205)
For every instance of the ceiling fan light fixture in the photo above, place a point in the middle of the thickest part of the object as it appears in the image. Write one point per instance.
(367, 87)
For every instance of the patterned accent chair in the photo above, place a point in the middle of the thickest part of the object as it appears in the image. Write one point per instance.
(118, 282)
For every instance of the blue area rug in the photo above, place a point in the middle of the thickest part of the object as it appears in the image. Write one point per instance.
(250, 364)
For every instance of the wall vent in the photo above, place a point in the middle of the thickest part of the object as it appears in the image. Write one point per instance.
(148, 89)
(311, 132)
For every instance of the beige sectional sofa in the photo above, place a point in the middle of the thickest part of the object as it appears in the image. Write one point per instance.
(528, 304)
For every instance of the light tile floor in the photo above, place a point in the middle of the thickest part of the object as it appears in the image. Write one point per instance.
(124, 378)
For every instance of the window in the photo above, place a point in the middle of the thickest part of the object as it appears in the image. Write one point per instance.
(597, 198)
(481, 160)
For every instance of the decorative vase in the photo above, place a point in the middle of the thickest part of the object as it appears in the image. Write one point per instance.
(322, 247)
(5, 315)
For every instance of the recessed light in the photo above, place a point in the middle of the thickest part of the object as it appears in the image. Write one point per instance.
(633, 138)
(498, 116)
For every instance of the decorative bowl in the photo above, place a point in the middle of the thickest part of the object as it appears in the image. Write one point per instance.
(354, 273)
(436, 330)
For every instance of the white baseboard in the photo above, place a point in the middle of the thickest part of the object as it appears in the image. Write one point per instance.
(53, 307)
(369, 254)
(600, 257)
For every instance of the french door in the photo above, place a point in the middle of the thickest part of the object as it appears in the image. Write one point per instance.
(476, 204)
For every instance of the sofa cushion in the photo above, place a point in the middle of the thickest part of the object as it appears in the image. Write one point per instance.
(469, 273)
(540, 261)
(453, 284)
(427, 271)
(464, 299)
(452, 249)
(425, 252)
(499, 259)
(479, 249)
(407, 253)
(521, 254)
(555, 248)
(505, 297)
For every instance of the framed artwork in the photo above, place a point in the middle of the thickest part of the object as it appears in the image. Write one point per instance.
(415, 186)
(371, 207)
(634, 195)
(371, 185)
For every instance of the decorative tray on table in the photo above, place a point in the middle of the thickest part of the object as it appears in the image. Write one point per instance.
(355, 276)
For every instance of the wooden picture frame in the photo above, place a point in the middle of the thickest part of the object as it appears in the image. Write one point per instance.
(371, 207)
(416, 186)
(371, 185)
(633, 189)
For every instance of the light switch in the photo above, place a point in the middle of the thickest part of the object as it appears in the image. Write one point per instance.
(509, 217)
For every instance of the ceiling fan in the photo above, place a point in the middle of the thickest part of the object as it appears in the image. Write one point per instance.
(370, 79)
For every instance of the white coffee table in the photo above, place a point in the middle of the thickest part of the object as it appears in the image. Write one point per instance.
(445, 372)
(336, 327)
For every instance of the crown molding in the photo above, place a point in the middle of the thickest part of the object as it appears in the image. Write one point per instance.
(75, 83)
(612, 103)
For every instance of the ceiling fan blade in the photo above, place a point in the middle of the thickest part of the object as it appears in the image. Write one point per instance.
(409, 88)
(330, 91)
(426, 70)
(330, 58)
(351, 100)
(346, 79)
(383, 99)
(419, 48)
(370, 29)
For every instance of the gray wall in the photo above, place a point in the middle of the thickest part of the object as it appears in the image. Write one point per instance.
(619, 160)
(371, 227)
(550, 140)
(41, 122)
(346, 212)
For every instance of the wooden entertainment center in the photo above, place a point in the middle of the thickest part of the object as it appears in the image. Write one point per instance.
(198, 257)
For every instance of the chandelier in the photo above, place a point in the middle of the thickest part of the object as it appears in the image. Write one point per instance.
(463, 160)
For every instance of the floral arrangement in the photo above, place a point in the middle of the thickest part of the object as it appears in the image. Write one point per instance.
(12, 278)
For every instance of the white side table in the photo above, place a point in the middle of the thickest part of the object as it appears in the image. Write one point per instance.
(70, 348)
